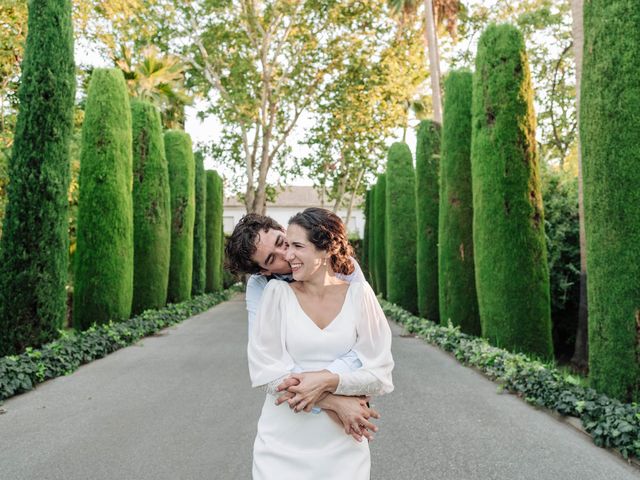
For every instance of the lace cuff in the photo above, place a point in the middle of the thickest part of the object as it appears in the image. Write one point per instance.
(270, 387)
(360, 382)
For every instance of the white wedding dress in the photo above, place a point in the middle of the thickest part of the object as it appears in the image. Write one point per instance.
(308, 446)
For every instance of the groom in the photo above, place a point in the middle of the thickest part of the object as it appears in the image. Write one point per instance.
(258, 246)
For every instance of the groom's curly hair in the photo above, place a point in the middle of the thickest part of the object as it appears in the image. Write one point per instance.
(327, 232)
(242, 243)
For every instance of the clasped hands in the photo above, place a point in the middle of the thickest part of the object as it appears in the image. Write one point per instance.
(303, 391)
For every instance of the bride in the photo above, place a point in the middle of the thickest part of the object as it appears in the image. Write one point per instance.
(310, 323)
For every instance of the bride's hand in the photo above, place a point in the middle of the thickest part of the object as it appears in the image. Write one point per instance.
(353, 414)
(311, 387)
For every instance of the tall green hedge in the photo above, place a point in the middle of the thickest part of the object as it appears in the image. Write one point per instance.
(151, 209)
(512, 276)
(456, 272)
(215, 236)
(371, 256)
(427, 206)
(401, 231)
(364, 260)
(104, 253)
(183, 208)
(379, 231)
(35, 242)
(610, 136)
(200, 229)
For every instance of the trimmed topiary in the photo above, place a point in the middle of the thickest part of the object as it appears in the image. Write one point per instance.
(427, 206)
(372, 239)
(104, 253)
(177, 145)
(215, 236)
(379, 231)
(400, 218)
(610, 137)
(456, 272)
(151, 209)
(364, 260)
(35, 240)
(512, 276)
(200, 229)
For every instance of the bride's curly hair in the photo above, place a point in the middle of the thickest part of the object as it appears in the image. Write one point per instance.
(327, 232)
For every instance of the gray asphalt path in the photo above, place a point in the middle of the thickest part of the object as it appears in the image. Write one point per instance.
(178, 406)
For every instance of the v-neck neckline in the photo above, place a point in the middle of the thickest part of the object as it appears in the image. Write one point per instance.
(344, 302)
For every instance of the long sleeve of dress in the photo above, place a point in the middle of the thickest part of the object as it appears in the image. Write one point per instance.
(373, 347)
(269, 361)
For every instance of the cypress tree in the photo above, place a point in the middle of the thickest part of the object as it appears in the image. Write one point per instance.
(401, 239)
(183, 208)
(372, 239)
(151, 209)
(379, 227)
(104, 252)
(199, 229)
(512, 276)
(215, 236)
(610, 135)
(35, 241)
(456, 273)
(365, 238)
(427, 205)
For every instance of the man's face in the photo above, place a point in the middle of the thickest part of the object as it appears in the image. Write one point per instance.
(271, 252)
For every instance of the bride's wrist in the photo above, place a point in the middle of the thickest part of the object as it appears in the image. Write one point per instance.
(331, 382)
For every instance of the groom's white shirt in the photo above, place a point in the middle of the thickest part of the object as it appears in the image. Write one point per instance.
(255, 287)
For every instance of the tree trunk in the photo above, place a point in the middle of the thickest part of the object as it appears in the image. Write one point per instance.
(581, 352)
(353, 197)
(434, 60)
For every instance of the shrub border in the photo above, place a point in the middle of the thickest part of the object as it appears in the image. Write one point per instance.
(609, 422)
(21, 373)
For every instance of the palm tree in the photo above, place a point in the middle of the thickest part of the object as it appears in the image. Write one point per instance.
(158, 79)
(437, 12)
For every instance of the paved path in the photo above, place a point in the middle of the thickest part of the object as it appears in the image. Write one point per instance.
(178, 406)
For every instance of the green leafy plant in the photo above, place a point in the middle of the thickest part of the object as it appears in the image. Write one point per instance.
(611, 423)
(20, 373)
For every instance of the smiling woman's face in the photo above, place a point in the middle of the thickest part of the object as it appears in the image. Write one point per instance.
(305, 259)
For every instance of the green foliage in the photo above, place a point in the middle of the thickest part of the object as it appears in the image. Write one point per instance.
(610, 135)
(200, 229)
(159, 79)
(13, 22)
(546, 25)
(103, 276)
(21, 373)
(371, 246)
(151, 209)
(611, 423)
(364, 257)
(427, 207)
(560, 196)
(400, 218)
(183, 209)
(215, 235)
(365, 101)
(34, 244)
(379, 232)
(457, 297)
(512, 277)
